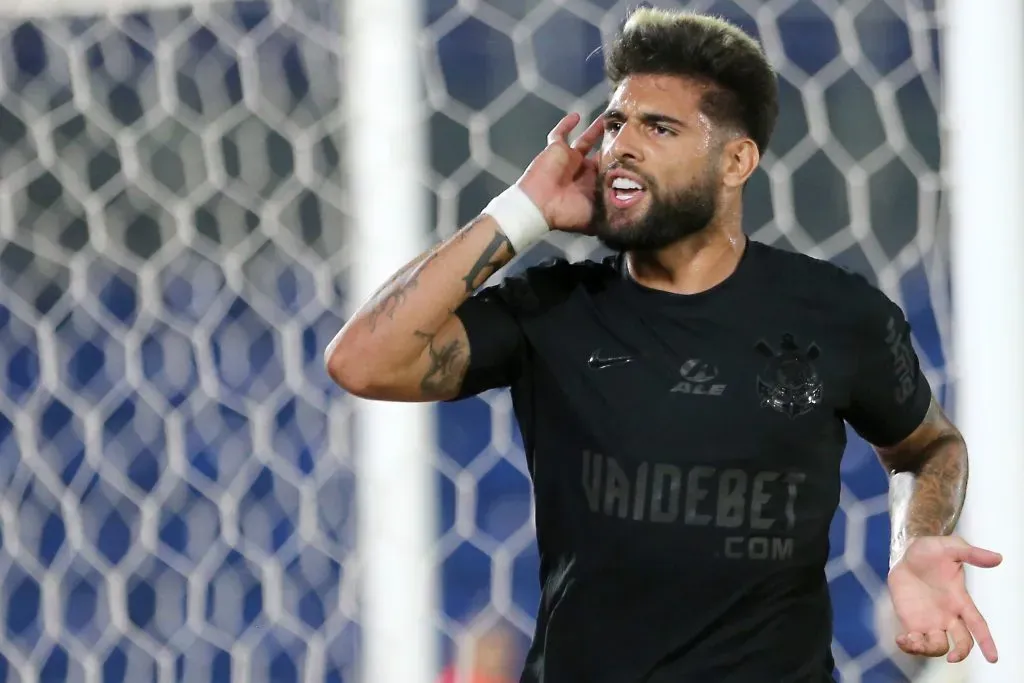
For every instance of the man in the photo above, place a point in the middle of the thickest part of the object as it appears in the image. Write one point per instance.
(683, 402)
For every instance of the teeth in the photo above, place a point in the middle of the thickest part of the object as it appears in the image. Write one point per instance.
(626, 184)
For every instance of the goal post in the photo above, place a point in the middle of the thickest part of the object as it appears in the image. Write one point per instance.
(387, 160)
(984, 78)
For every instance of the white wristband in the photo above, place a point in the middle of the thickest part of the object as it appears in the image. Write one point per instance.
(518, 217)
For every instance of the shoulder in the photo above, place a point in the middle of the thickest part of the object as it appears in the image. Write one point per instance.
(803, 271)
(533, 288)
(832, 287)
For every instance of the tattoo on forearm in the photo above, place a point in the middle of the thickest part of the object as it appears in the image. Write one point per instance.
(927, 499)
(393, 293)
(387, 304)
(448, 362)
(487, 264)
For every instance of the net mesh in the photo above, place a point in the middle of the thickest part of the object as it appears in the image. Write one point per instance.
(176, 480)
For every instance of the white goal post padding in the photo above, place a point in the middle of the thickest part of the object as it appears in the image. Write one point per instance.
(177, 474)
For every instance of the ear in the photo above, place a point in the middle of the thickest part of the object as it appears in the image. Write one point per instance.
(739, 160)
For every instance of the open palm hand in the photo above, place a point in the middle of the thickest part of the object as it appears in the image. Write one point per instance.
(930, 597)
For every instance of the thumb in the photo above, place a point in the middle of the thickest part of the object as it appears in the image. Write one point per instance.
(977, 557)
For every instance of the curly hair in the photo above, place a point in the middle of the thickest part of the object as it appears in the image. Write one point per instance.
(744, 91)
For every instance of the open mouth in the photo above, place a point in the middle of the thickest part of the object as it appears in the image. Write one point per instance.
(624, 192)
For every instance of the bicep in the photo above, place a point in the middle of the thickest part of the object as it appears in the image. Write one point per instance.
(494, 342)
(479, 347)
(441, 369)
(435, 375)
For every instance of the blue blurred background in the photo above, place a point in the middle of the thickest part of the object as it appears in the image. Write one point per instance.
(176, 470)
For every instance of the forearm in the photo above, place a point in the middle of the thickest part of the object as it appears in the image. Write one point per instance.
(394, 327)
(927, 498)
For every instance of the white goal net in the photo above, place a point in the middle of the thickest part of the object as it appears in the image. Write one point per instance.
(176, 471)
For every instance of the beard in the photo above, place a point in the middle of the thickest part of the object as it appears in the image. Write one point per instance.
(670, 216)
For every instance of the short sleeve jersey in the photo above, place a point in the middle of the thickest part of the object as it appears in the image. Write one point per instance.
(684, 453)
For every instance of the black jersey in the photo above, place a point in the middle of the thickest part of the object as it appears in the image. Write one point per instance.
(684, 452)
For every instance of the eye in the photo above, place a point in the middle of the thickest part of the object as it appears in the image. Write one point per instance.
(662, 130)
(612, 126)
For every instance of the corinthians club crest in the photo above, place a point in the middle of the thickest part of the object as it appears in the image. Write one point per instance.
(789, 382)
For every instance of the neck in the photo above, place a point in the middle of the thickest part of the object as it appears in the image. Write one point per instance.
(693, 264)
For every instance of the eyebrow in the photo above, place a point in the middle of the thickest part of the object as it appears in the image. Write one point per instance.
(648, 118)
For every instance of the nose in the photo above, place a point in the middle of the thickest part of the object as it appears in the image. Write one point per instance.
(624, 144)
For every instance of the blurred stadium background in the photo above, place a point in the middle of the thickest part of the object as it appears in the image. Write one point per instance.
(183, 227)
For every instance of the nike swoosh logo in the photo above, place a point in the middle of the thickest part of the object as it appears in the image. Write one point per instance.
(597, 362)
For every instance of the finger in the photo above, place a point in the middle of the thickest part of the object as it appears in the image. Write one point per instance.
(936, 643)
(912, 643)
(905, 644)
(979, 629)
(560, 133)
(977, 557)
(962, 641)
(588, 138)
(931, 644)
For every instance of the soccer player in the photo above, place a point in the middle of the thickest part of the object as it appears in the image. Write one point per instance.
(682, 402)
